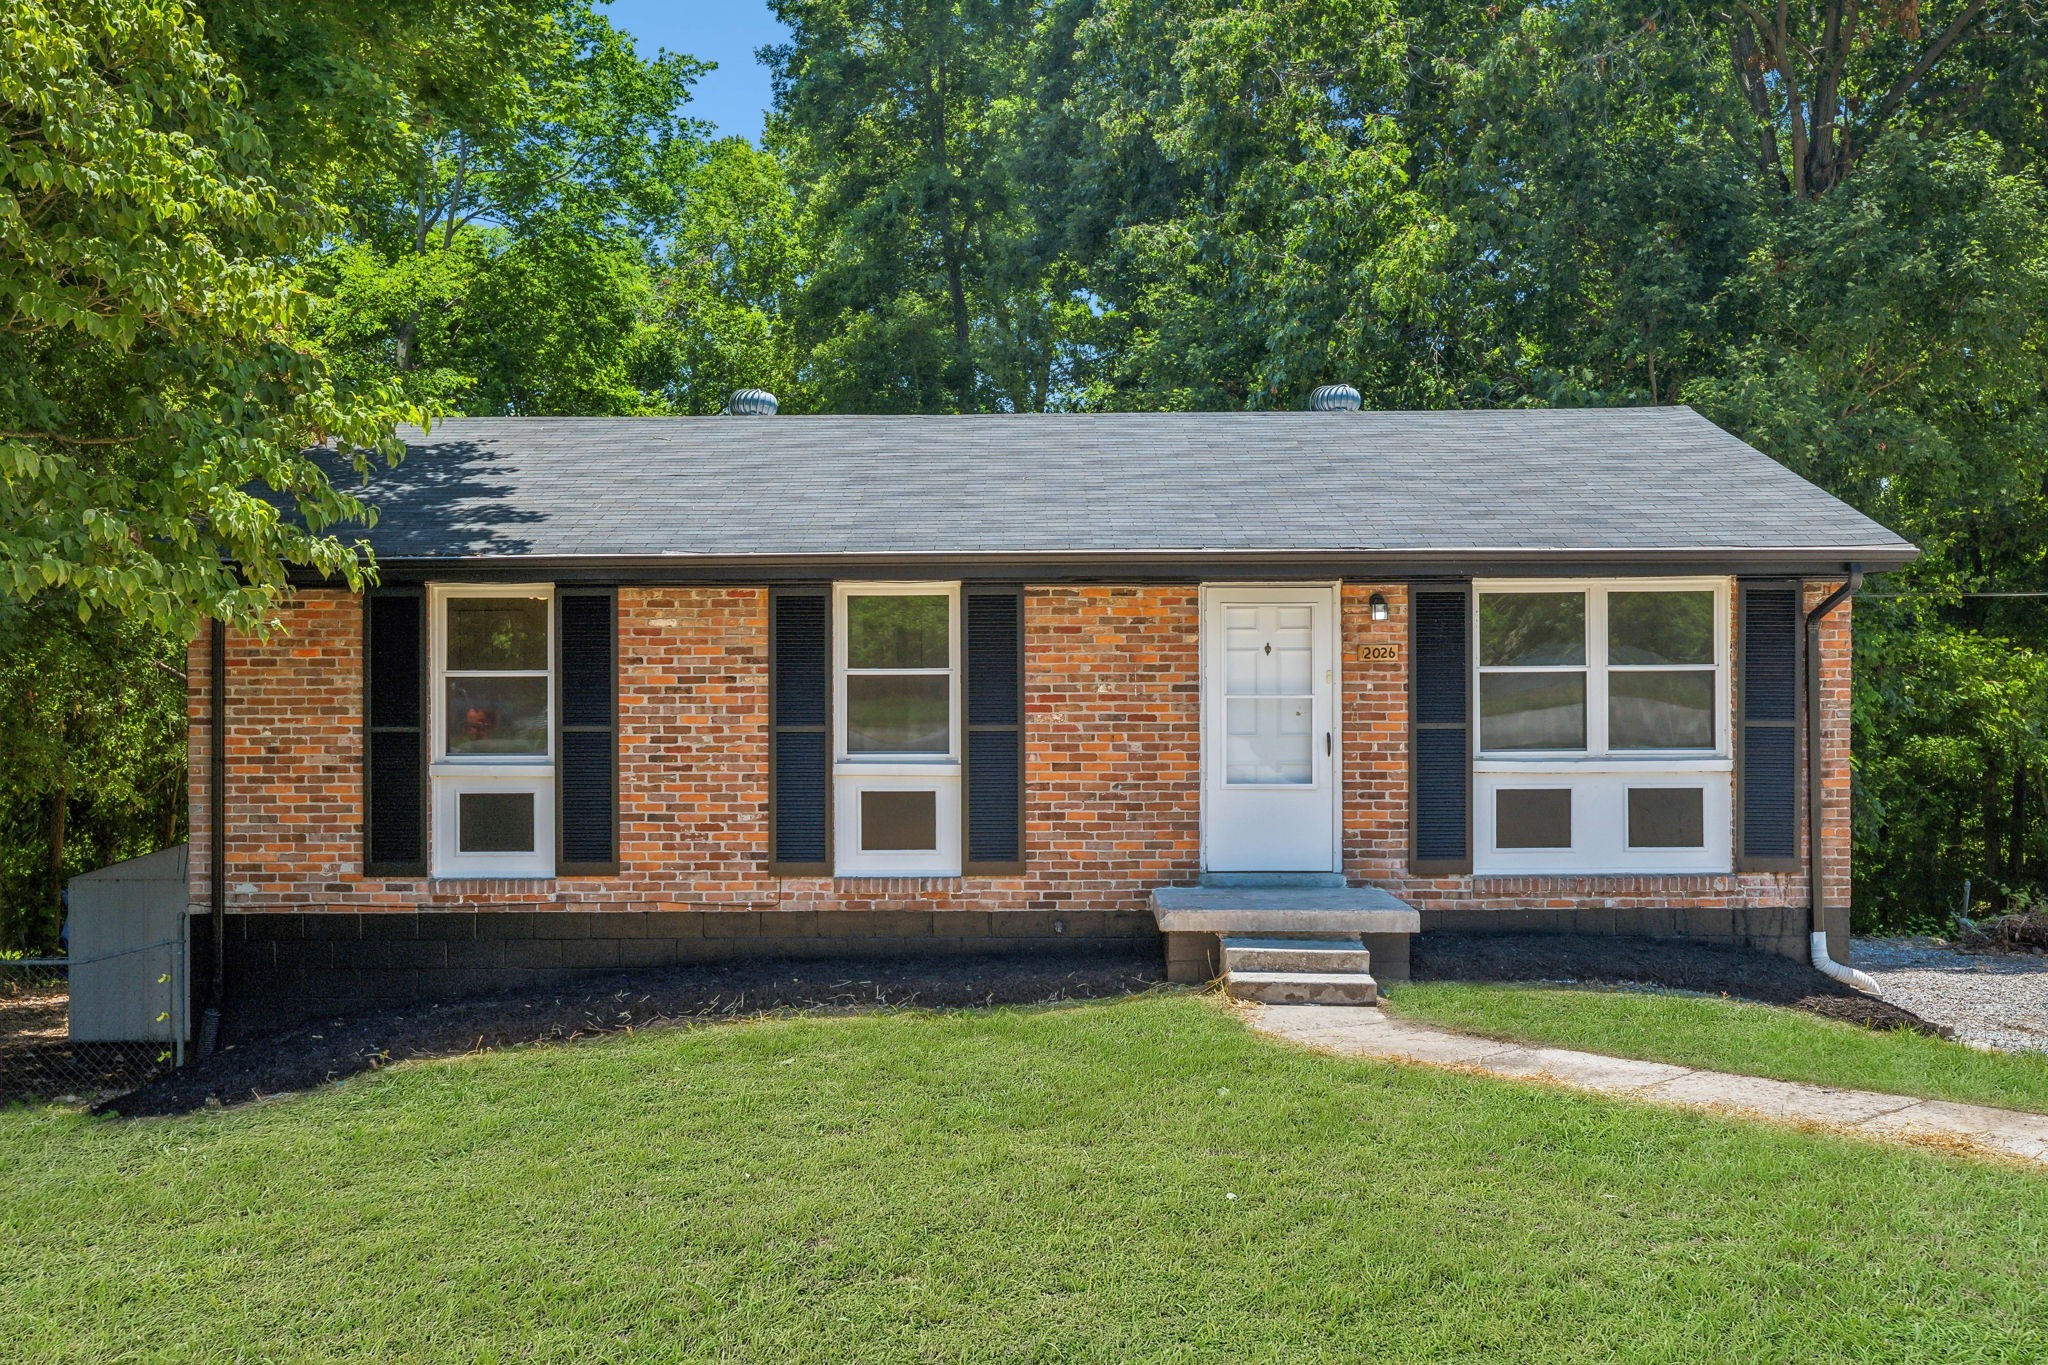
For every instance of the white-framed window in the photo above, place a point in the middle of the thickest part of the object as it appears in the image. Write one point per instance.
(896, 729)
(492, 710)
(1602, 715)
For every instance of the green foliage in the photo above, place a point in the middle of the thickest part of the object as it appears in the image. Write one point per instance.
(151, 386)
(734, 256)
(343, 88)
(550, 324)
(899, 121)
(500, 257)
(1952, 769)
(1277, 241)
(92, 720)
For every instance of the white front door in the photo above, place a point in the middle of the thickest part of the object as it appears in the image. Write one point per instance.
(1269, 729)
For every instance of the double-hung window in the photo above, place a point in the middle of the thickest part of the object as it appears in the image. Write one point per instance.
(896, 769)
(1603, 726)
(493, 700)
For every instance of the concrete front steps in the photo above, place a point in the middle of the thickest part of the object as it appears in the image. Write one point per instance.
(1262, 911)
(1330, 970)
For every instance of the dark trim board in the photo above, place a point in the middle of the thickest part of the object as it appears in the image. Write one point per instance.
(287, 968)
(1373, 566)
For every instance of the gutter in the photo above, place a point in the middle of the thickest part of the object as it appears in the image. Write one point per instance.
(1187, 565)
(1817, 934)
(217, 831)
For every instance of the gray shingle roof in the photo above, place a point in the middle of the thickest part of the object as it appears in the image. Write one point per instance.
(1586, 481)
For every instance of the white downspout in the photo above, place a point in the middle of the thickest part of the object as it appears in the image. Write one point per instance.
(1817, 939)
(1827, 966)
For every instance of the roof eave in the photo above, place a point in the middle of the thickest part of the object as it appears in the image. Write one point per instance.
(1153, 565)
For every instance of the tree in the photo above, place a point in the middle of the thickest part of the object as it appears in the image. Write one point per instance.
(1825, 82)
(92, 720)
(1600, 199)
(894, 117)
(154, 402)
(1262, 234)
(341, 88)
(500, 259)
(734, 256)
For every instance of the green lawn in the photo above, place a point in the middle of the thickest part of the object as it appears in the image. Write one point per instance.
(1051, 1184)
(1732, 1035)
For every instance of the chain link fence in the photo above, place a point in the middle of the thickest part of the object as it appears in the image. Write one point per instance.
(126, 1025)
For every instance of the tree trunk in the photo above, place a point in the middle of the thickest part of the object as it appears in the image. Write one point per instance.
(2016, 828)
(53, 851)
(1994, 859)
(401, 343)
(951, 239)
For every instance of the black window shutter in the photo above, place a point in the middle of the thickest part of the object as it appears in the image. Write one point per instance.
(799, 732)
(395, 732)
(1769, 629)
(994, 792)
(586, 732)
(1440, 738)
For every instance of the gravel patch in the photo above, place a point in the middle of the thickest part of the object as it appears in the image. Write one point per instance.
(1997, 1000)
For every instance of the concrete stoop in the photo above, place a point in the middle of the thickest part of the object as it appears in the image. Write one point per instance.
(1328, 970)
(1276, 921)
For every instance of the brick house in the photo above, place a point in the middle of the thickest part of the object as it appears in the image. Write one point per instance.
(640, 691)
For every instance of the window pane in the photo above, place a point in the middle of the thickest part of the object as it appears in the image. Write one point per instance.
(497, 716)
(897, 632)
(1660, 628)
(899, 822)
(1270, 741)
(497, 632)
(1667, 817)
(1661, 709)
(898, 713)
(494, 822)
(1532, 819)
(1532, 710)
(1528, 628)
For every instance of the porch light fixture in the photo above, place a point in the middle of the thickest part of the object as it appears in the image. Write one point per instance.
(1377, 606)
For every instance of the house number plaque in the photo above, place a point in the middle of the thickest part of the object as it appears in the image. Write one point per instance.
(1379, 654)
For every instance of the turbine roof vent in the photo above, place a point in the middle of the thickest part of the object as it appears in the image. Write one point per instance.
(750, 403)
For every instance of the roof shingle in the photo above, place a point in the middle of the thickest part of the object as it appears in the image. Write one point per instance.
(1557, 481)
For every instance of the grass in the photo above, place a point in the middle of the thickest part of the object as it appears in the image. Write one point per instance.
(1732, 1035)
(1129, 1181)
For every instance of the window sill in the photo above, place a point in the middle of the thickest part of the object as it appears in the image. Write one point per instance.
(446, 878)
(1634, 763)
(491, 767)
(897, 767)
(1647, 870)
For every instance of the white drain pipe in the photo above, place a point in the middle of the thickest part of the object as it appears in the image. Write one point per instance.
(1817, 939)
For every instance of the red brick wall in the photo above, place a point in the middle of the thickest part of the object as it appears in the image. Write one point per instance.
(1111, 705)
(1112, 717)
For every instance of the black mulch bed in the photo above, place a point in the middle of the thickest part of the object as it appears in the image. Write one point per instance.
(615, 1002)
(1674, 964)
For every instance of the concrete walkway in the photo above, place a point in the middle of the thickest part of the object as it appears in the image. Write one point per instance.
(1369, 1032)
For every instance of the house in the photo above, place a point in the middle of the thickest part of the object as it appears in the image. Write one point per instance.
(638, 691)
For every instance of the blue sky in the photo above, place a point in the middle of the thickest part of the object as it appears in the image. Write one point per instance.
(723, 31)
